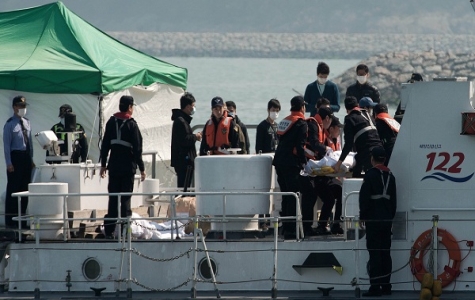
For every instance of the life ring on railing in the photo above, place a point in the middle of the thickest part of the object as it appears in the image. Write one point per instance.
(418, 250)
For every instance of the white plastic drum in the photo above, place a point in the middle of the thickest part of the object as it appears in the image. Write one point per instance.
(151, 187)
(47, 207)
(237, 174)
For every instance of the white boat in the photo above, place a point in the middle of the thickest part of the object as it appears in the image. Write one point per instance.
(433, 162)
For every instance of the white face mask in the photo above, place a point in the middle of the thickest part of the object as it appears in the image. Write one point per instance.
(362, 79)
(193, 111)
(22, 112)
(273, 115)
(322, 80)
(61, 120)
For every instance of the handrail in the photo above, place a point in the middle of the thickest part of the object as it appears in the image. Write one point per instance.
(298, 217)
(153, 153)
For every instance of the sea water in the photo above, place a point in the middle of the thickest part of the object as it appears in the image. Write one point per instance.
(251, 83)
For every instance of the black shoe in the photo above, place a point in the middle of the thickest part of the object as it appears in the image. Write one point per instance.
(321, 231)
(336, 229)
(372, 294)
(388, 292)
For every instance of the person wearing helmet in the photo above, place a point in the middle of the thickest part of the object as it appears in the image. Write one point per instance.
(81, 149)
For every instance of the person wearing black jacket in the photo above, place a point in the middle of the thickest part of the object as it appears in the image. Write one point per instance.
(220, 132)
(232, 112)
(266, 132)
(378, 202)
(292, 133)
(388, 129)
(360, 134)
(183, 151)
(81, 148)
(362, 88)
(314, 187)
(123, 139)
(322, 88)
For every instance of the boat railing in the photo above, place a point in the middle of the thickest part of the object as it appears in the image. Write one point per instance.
(225, 217)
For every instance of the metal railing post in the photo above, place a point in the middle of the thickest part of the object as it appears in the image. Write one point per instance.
(195, 257)
(274, 271)
(435, 242)
(357, 255)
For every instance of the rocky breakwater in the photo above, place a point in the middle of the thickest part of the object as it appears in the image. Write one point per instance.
(389, 70)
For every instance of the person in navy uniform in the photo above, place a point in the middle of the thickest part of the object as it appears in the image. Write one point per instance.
(59, 130)
(183, 150)
(123, 139)
(377, 201)
(18, 150)
(292, 131)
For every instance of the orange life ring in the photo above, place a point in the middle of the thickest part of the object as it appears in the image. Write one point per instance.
(451, 271)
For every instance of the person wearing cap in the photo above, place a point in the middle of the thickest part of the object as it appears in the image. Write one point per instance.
(232, 112)
(18, 151)
(333, 141)
(377, 203)
(367, 104)
(266, 132)
(292, 131)
(314, 187)
(387, 127)
(362, 88)
(322, 88)
(220, 132)
(81, 149)
(359, 133)
(123, 141)
(183, 150)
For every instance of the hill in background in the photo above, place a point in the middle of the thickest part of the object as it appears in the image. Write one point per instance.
(273, 16)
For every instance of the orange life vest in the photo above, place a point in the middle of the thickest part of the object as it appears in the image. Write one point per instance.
(330, 143)
(393, 124)
(218, 138)
(289, 121)
(310, 154)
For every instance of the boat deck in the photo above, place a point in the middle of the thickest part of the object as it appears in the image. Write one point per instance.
(334, 295)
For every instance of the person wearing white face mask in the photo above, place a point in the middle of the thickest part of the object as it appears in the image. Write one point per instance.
(183, 151)
(18, 150)
(322, 88)
(266, 132)
(362, 88)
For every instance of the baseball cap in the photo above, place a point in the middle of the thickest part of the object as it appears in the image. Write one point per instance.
(217, 101)
(378, 152)
(64, 109)
(380, 107)
(297, 103)
(19, 100)
(127, 100)
(324, 112)
(335, 122)
(366, 102)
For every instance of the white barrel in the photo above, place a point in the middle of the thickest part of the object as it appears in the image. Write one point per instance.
(237, 174)
(47, 207)
(151, 187)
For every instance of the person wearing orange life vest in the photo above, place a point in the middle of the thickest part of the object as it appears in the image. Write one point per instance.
(220, 131)
(333, 141)
(314, 187)
(292, 131)
(387, 127)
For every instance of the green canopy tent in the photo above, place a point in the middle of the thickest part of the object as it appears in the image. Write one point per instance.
(49, 49)
(52, 56)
